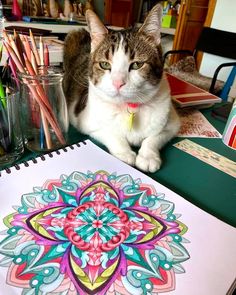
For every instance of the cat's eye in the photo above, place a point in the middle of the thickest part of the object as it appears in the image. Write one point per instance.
(105, 65)
(136, 65)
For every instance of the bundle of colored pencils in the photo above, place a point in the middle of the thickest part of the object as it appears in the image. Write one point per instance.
(25, 58)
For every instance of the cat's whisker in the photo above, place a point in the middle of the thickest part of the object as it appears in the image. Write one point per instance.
(140, 99)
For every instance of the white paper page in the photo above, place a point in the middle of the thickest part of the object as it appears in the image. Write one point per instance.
(211, 268)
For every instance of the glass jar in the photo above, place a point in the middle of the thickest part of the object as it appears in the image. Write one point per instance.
(11, 142)
(44, 115)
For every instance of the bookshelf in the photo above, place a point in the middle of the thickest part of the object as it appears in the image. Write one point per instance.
(58, 28)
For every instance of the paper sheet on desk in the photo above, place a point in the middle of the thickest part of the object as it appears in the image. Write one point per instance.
(216, 160)
(194, 124)
(56, 225)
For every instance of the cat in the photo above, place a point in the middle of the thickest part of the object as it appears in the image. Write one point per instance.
(116, 90)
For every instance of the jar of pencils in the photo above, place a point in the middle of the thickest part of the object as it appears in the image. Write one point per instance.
(44, 116)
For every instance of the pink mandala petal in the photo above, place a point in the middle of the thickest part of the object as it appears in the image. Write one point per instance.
(169, 283)
(15, 278)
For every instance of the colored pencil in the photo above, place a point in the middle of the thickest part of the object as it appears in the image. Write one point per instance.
(26, 59)
(34, 47)
(19, 46)
(27, 47)
(41, 51)
(2, 95)
(46, 56)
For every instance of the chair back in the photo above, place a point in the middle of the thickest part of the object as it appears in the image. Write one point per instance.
(217, 42)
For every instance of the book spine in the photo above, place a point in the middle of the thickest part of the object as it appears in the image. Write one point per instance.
(43, 157)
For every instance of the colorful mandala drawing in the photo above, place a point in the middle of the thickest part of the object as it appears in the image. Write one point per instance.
(94, 233)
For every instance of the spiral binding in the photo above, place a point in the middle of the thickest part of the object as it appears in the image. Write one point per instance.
(43, 157)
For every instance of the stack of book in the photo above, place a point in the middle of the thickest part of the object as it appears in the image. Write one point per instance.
(185, 94)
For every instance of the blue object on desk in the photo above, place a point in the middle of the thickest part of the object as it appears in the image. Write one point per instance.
(47, 20)
(43, 19)
(229, 82)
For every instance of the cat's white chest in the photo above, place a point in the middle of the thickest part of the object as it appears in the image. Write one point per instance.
(147, 121)
(103, 118)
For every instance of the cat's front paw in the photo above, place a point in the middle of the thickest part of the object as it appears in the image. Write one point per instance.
(127, 157)
(148, 164)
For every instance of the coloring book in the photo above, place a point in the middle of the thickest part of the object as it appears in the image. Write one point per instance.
(79, 221)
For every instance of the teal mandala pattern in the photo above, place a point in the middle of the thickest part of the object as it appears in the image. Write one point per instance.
(94, 233)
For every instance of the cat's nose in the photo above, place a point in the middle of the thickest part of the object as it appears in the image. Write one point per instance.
(118, 83)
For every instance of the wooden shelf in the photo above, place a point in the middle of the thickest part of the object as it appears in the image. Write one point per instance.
(169, 31)
(55, 28)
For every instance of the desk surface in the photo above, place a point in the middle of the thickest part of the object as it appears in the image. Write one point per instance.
(203, 185)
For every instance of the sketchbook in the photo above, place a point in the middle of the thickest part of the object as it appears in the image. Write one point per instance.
(80, 221)
(185, 94)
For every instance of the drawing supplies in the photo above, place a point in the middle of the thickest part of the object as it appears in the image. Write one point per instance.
(34, 48)
(4, 140)
(87, 222)
(13, 70)
(229, 135)
(42, 100)
(40, 88)
(19, 46)
(44, 127)
(2, 94)
(14, 57)
(31, 77)
(5, 36)
(46, 56)
(15, 49)
(4, 123)
(26, 30)
(27, 46)
(41, 51)
(33, 62)
(11, 142)
(216, 160)
(9, 111)
(1, 48)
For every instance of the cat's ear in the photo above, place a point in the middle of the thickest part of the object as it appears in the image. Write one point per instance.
(96, 28)
(152, 23)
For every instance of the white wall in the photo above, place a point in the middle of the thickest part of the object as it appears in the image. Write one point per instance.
(224, 18)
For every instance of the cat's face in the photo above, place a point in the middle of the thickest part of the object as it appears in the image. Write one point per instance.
(126, 66)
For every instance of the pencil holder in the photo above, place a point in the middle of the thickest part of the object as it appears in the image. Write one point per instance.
(44, 117)
(229, 134)
(11, 142)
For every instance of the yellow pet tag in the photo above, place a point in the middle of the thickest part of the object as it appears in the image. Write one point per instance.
(132, 109)
(131, 121)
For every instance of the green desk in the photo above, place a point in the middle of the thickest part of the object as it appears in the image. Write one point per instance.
(203, 185)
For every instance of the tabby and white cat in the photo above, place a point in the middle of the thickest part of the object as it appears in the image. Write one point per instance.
(112, 77)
